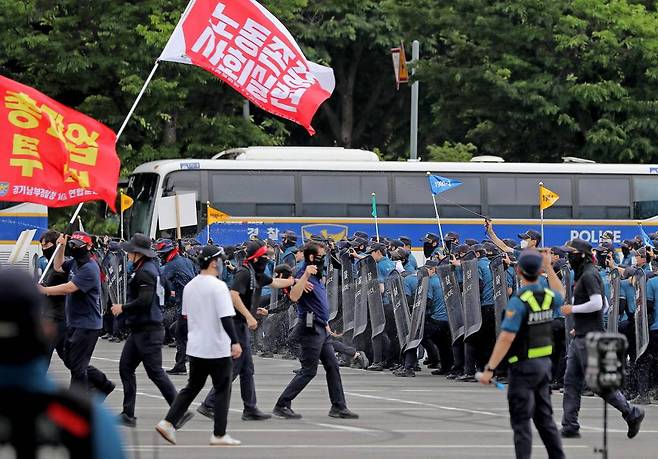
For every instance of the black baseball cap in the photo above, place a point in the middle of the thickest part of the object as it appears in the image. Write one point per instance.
(451, 236)
(405, 239)
(361, 235)
(209, 252)
(510, 243)
(530, 262)
(396, 243)
(356, 242)
(376, 246)
(461, 249)
(431, 263)
(557, 251)
(577, 245)
(430, 237)
(605, 247)
(531, 234)
(471, 242)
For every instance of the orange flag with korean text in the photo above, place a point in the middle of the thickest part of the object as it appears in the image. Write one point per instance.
(51, 154)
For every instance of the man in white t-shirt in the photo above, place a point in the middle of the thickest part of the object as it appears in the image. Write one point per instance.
(211, 344)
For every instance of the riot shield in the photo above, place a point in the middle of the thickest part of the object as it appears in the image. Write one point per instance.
(453, 299)
(641, 314)
(110, 267)
(613, 310)
(289, 260)
(292, 316)
(400, 308)
(565, 274)
(274, 292)
(347, 291)
(417, 328)
(374, 296)
(360, 301)
(332, 291)
(471, 298)
(499, 289)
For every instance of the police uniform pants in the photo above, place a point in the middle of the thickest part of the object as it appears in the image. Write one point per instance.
(316, 346)
(647, 365)
(458, 356)
(78, 349)
(244, 367)
(437, 332)
(342, 348)
(574, 379)
(479, 345)
(181, 342)
(144, 347)
(529, 398)
(220, 373)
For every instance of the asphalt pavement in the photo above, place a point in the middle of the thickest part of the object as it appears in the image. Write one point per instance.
(423, 417)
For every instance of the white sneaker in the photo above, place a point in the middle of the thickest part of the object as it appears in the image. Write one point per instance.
(167, 431)
(226, 440)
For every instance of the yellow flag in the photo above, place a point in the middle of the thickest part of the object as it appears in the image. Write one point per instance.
(547, 197)
(215, 216)
(126, 202)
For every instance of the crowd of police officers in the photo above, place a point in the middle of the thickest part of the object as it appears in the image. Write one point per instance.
(386, 312)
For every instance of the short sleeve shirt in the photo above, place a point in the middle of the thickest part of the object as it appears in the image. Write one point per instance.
(206, 300)
(516, 311)
(83, 307)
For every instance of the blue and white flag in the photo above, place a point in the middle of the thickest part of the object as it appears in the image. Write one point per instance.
(440, 184)
(646, 239)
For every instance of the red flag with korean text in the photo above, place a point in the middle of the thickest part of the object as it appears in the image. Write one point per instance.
(51, 154)
(244, 45)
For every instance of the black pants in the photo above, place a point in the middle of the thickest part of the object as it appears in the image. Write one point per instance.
(458, 356)
(59, 343)
(479, 345)
(220, 372)
(78, 349)
(574, 380)
(437, 332)
(181, 342)
(316, 346)
(529, 397)
(143, 347)
(559, 356)
(342, 348)
(244, 367)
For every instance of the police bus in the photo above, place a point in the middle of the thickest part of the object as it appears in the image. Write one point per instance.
(16, 218)
(267, 190)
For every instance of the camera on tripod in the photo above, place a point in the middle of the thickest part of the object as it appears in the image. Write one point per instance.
(606, 360)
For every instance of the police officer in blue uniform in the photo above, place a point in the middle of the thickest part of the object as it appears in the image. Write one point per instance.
(431, 245)
(649, 359)
(526, 340)
(143, 314)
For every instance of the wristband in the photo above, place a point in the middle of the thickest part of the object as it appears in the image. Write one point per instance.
(488, 368)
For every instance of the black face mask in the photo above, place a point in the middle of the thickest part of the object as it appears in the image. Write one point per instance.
(428, 248)
(49, 252)
(576, 260)
(260, 265)
(285, 244)
(625, 251)
(449, 245)
(601, 259)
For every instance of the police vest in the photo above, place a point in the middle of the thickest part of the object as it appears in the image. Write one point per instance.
(154, 314)
(36, 425)
(535, 337)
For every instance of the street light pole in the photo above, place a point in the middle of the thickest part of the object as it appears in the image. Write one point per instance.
(413, 143)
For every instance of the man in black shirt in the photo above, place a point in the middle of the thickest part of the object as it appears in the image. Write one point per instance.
(587, 309)
(245, 290)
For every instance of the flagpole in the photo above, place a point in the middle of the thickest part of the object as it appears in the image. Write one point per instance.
(68, 228)
(139, 96)
(208, 220)
(374, 208)
(541, 214)
(438, 219)
(121, 212)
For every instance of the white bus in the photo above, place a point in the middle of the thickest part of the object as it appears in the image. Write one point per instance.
(16, 218)
(268, 190)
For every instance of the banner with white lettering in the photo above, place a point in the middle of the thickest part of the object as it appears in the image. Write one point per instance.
(244, 45)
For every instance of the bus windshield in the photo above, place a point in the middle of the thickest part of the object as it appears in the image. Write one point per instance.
(143, 189)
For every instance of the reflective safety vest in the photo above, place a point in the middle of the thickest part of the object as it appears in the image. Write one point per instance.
(535, 337)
